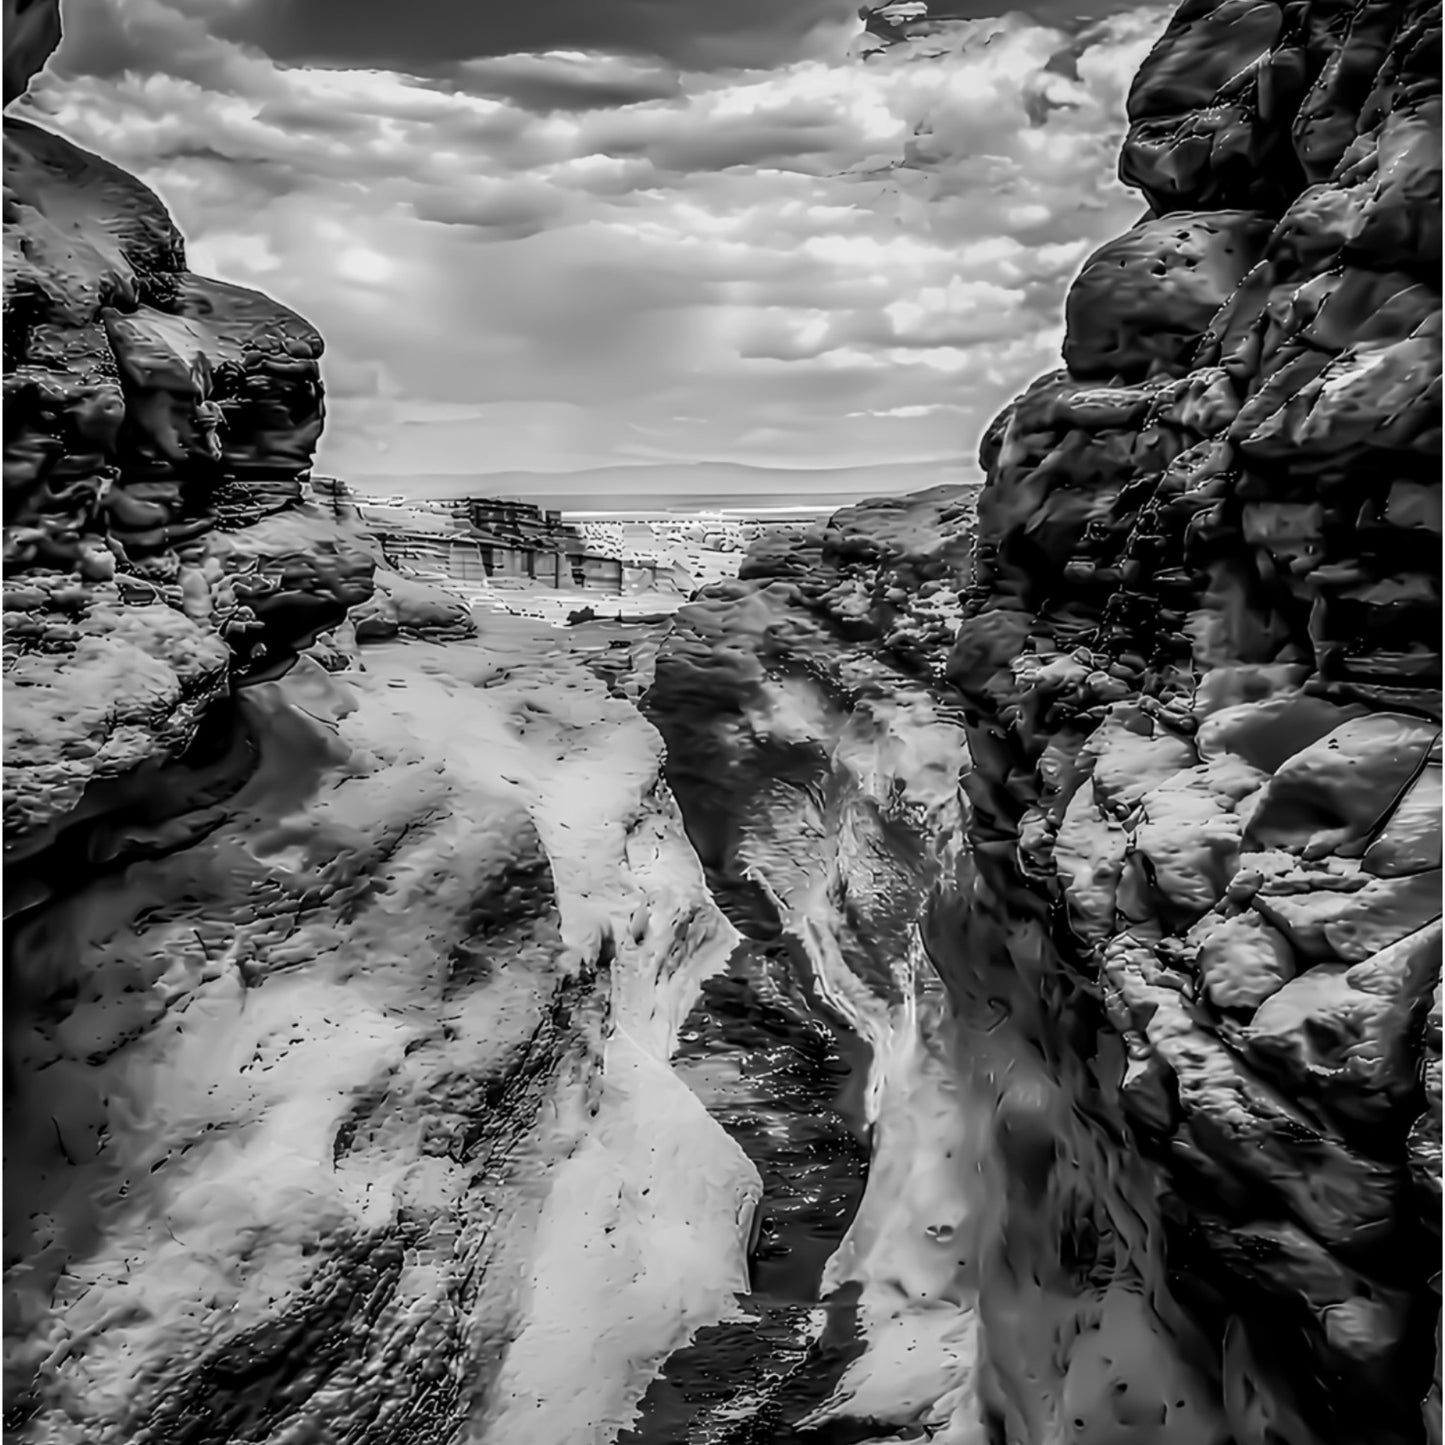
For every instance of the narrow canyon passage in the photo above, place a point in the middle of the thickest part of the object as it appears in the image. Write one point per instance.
(785, 1077)
(879, 918)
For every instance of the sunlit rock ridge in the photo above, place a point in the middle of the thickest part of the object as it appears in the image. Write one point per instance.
(1178, 942)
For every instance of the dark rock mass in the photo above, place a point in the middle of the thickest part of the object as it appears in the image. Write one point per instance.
(1188, 919)
(159, 541)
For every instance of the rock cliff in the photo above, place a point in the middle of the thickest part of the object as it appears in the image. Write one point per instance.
(1188, 915)
(343, 969)
(159, 544)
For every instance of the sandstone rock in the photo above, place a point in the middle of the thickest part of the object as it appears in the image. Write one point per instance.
(1410, 839)
(1089, 855)
(1346, 1032)
(1425, 1134)
(1268, 733)
(1337, 790)
(1249, 548)
(1246, 1127)
(98, 688)
(1326, 122)
(1206, 109)
(1348, 918)
(1349, 1319)
(136, 393)
(1182, 581)
(1142, 302)
(32, 31)
(1242, 961)
(235, 1038)
(265, 377)
(215, 382)
(1191, 845)
(1134, 755)
(409, 607)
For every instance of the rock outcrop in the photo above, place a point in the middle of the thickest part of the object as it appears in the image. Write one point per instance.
(1200, 663)
(159, 426)
(814, 748)
(341, 985)
(1189, 920)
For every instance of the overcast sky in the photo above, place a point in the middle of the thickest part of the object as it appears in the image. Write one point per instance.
(571, 233)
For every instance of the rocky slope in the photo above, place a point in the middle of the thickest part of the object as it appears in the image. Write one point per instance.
(343, 969)
(1189, 919)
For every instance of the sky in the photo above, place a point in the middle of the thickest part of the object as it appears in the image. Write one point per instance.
(566, 234)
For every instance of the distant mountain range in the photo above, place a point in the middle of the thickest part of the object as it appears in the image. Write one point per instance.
(684, 486)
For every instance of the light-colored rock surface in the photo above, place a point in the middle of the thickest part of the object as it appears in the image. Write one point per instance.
(366, 1093)
(402, 606)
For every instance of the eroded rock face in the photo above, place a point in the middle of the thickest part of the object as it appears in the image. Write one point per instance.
(814, 752)
(1192, 942)
(1200, 662)
(159, 427)
(341, 985)
(346, 1110)
(32, 31)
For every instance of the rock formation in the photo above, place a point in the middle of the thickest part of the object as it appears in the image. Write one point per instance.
(343, 984)
(1189, 922)
(159, 426)
(1200, 659)
(814, 747)
(340, 987)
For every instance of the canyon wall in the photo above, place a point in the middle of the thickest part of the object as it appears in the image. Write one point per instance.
(1187, 914)
(343, 968)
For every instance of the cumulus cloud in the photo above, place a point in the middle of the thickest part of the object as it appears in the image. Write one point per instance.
(534, 257)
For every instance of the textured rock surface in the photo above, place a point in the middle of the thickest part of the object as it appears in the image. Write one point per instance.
(339, 1008)
(158, 429)
(1200, 662)
(352, 1114)
(408, 607)
(815, 760)
(1192, 942)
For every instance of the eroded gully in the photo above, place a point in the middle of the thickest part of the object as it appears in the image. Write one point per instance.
(785, 1077)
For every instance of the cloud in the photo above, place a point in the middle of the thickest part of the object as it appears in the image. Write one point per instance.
(512, 208)
(562, 80)
(429, 37)
(545, 260)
